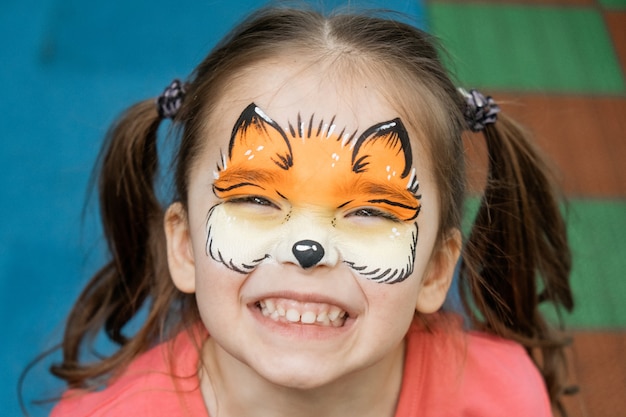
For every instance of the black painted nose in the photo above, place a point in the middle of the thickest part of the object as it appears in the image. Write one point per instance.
(308, 252)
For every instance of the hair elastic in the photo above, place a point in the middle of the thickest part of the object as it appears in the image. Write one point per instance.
(479, 110)
(169, 102)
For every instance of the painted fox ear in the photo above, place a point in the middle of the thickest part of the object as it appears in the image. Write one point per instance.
(384, 148)
(256, 135)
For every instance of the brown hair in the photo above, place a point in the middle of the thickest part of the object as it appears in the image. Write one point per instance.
(515, 257)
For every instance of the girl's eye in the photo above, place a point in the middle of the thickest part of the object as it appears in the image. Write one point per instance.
(254, 200)
(372, 212)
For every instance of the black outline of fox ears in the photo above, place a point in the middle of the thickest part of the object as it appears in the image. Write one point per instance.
(392, 131)
(255, 117)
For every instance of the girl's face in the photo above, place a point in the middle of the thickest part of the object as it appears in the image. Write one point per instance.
(310, 234)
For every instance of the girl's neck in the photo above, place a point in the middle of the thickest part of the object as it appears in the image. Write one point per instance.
(230, 389)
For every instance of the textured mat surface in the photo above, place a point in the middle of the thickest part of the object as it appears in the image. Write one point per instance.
(554, 49)
(558, 67)
(595, 367)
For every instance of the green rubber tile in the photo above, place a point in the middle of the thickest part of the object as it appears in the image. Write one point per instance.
(597, 235)
(528, 48)
(613, 4)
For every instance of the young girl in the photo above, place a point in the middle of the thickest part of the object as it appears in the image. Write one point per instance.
(301, 268)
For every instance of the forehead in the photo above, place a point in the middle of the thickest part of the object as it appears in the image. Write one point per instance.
(287, 87)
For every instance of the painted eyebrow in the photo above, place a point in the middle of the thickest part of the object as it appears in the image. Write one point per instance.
(242, 175)
(395, 196)
(235, 178)
(375, 188)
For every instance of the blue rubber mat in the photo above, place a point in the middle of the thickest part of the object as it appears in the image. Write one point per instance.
(68, 68)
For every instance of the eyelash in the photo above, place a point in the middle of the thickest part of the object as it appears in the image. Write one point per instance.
(372, 212)
(253, 199)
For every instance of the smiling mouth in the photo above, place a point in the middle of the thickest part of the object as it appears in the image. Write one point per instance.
(295, 312)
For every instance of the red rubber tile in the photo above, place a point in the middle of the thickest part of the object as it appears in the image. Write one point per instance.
(616, 22)
(584, 137)
(598, 368)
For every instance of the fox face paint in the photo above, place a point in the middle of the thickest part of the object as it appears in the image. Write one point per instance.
(314, 195)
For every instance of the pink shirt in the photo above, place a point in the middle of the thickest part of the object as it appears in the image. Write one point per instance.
(447, 372)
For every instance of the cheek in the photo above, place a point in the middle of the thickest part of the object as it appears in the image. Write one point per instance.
(237, 241)
(397, 253)
(392, 307)
(383, 253)
(215, 289)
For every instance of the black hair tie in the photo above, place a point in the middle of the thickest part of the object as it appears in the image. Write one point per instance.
(479, 110)
(169, 102)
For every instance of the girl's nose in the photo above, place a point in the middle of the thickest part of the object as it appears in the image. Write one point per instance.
(308, 253)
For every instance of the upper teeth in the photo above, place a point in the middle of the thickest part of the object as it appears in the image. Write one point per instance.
(306, 313)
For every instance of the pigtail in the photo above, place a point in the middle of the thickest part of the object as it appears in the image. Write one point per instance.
(517, 255)
(132, 220)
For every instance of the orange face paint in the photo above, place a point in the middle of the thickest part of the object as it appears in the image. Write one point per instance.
(313, 164)
(276, 182)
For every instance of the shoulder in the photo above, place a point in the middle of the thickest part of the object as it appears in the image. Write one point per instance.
(152, 385)
(456, 373)
(500, 375)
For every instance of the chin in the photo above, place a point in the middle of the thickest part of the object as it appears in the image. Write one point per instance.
(301, 382)
(297, 375)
